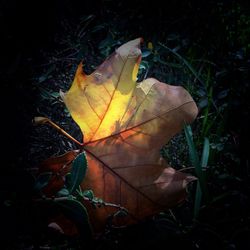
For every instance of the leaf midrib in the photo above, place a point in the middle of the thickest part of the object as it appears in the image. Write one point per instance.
(111, 98)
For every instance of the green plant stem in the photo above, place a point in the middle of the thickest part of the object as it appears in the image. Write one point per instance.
(105, 204)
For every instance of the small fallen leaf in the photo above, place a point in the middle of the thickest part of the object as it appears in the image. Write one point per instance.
(59, 166)
(55, 164)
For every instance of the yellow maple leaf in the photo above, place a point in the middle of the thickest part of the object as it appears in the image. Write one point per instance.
(125, 124)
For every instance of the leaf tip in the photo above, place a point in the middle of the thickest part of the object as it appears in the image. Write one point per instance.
(79, 71)
(130, 49)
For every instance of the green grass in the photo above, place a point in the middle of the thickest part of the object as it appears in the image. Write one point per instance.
(199, 166)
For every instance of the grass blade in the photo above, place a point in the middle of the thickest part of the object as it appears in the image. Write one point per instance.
(185, 62)
(203, 164)
(201, 188)
(193, 154)
(205, 153)
(197, 202)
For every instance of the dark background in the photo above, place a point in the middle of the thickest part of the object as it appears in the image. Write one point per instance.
(30, 30)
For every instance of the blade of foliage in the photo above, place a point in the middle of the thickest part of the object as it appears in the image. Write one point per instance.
(75, 211)
(207, 123)
(125, 124)
(185, 62)
(194, 158)
(201, 188)
(193, 154)
(78, 171)
(205, 153)
(204, 162)
(198, 195)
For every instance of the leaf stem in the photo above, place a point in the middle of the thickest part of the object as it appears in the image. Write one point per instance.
(45, 120)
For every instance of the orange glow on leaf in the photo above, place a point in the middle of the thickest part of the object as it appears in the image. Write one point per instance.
(125, 124)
